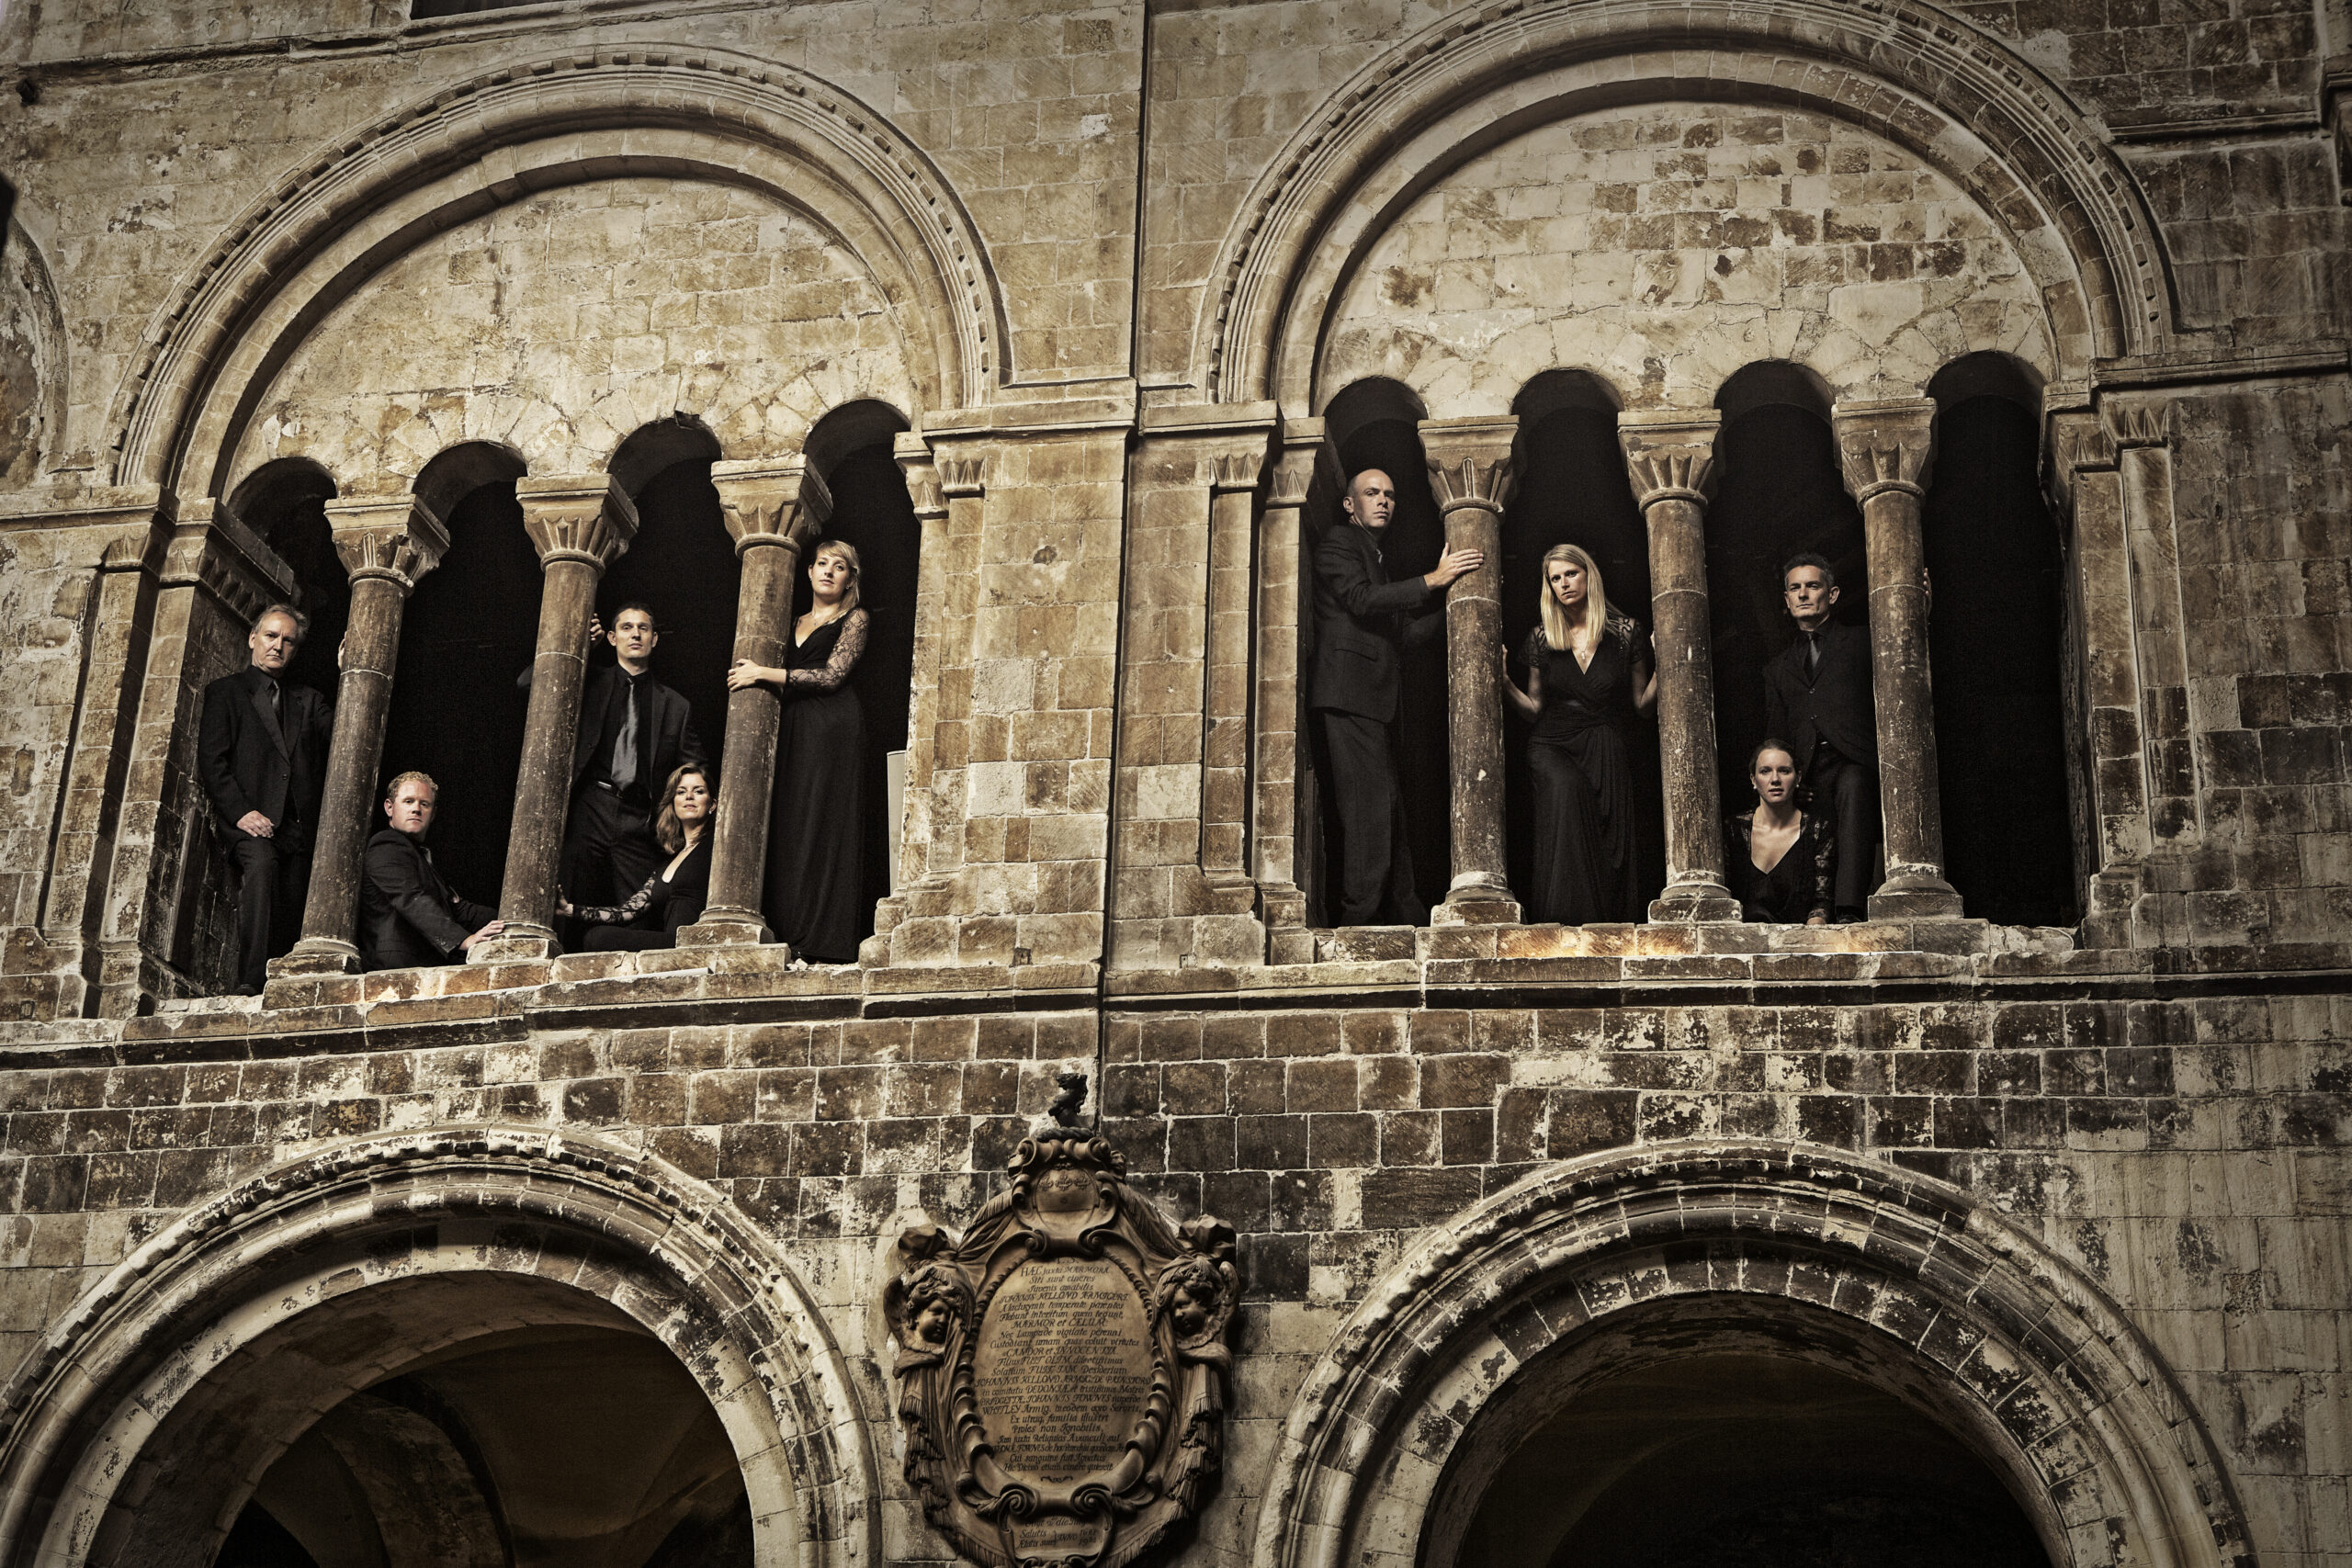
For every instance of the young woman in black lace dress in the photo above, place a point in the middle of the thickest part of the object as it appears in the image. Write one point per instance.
(672, 896)
(1781, 862)
(1589, 674)
(816, 873)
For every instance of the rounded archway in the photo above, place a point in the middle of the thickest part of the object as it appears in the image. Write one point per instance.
(323, 1331)
(1902, 1282)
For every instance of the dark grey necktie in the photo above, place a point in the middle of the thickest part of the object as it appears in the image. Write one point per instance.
(1812, 655)
(625, 744)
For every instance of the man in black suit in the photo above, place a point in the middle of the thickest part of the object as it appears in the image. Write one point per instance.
(262, 754)
(409, 918)
(1817, 698)
(633, 730)
(1361, 622)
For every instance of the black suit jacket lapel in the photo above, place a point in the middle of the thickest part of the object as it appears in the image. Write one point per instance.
(257, 692)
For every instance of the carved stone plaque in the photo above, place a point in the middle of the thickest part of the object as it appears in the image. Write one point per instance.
(1062, 1366)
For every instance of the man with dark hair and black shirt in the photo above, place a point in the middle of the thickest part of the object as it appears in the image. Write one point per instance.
(1818, 696)
(262, 754)
(633, 730)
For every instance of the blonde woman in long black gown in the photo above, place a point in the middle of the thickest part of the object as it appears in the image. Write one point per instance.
(815, 872)
(1590, 670)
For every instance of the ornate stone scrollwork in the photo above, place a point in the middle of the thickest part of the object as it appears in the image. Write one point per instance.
(1062, 1365)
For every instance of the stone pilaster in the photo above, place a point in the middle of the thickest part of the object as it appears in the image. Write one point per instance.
(913, 828)
(1884, 449)
(1471, 475)
(387, 543)
(1281, 694)
(580, 524)
(2142, 432)
(774, 508)
(1670, 456)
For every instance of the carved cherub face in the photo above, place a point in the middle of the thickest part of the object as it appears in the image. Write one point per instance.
(1190, 1309)
(933, 1320)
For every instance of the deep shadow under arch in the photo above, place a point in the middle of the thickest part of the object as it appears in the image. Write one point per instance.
(284, 502)
(683, 563)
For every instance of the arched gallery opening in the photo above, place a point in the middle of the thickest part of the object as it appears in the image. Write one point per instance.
(1780, 493)
(1995, 631)
(1573, 489)
(873, 515)
(1742, 1455)
(470, 629)
(1375, 423)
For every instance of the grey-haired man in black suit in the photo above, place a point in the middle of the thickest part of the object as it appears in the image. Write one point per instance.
(1818, 697)
(1362, 621)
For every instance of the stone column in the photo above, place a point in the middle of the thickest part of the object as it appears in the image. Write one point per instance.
(1280, 700)
(1670, 456)
(581, 524)
(385, 543)
(913, 828)
(773, 507)
(2141, 434)
(1885, 448)
(1470, 471)
(1224, 731)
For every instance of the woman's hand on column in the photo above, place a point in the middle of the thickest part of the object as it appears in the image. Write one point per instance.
(743, 673)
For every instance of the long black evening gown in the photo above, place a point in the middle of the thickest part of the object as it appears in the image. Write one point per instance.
(674, 899)
(1800, 883)
(1586, 867)
(816, 871)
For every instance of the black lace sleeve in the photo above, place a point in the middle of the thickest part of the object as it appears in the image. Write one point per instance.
(847, 650)
(1635, 638)
(1532, 654)
(621, 914)
(1825, 866)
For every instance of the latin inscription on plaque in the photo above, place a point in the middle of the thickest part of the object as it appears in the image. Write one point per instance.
(1063, 1369)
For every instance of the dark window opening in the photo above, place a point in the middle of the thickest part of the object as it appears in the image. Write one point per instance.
(874, 516)
(1996, 632)
(683, 563)
(285, 502)
(471, 628)
(1780, 493)
(1573, 489)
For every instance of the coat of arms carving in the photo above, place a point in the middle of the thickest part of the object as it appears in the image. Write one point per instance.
(1062, 1364)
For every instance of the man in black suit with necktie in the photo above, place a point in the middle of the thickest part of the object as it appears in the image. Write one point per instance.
(633, 730)
(1818, 697)
(1361, 623)
(409, 918)
(262, 754)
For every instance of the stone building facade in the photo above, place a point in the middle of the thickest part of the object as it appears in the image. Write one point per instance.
(576, 1257)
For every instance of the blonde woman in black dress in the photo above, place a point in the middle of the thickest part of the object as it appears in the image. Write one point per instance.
(1781, 860)
(1589, 672)
(815, 872)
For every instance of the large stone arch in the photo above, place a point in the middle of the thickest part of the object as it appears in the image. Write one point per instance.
(2094, 1426)
(1968, 107)
(547, 1222)
(476, 145)
(33, 355)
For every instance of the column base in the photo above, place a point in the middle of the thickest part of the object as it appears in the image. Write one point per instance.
(726, 925)
(1694, 903)
(315, 955)
(1477, 904)
(517, 945)
(1914, 896)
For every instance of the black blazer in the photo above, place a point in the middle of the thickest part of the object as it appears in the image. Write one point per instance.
(1836, 705)
(407, 916)
(255, 759)
(1362, 620)
(674, 740)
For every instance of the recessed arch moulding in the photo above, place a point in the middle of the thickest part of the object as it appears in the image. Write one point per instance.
(1661, 198)
(549, 258)
(141, 1423)
(1486, 1327)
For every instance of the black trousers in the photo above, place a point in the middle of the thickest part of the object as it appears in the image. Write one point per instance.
(1375, 859)
(608, 848)
(273, 881)
(1847, 792)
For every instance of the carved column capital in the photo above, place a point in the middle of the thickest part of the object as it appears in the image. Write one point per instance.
(1237, 470)
(1470, 461)
(912, 455)
(2132, 425)
(768, 501)
(1302, 448)
(213, 549)
(962, 474)
(582, 517)
(1885, 445)
(395, 537)
(1669, 455)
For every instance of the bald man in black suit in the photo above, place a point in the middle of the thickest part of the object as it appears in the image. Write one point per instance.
(1818, 697)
